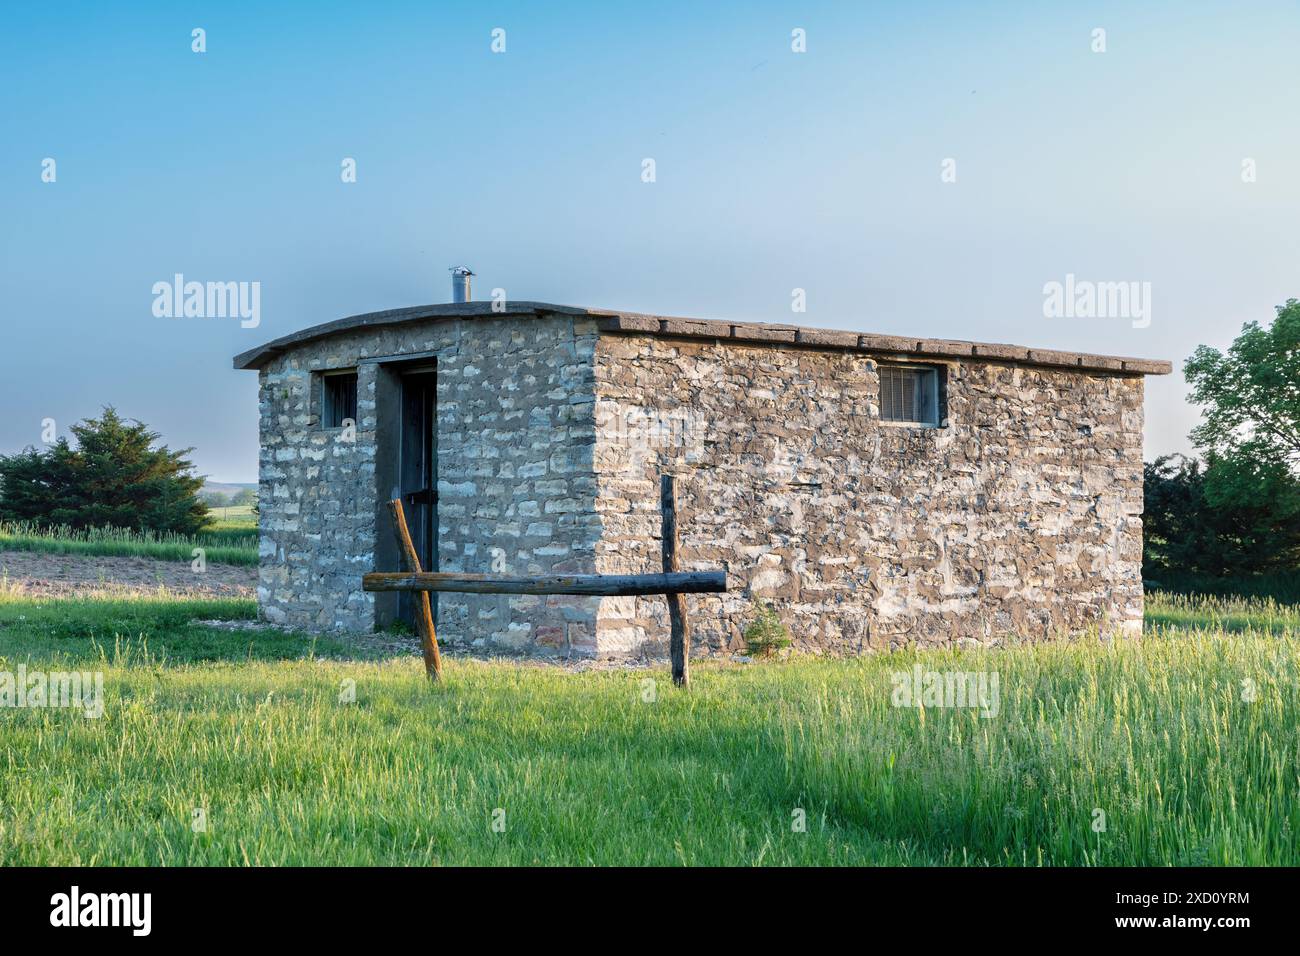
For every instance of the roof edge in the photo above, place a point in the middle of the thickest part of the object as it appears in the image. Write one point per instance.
(754, 333)
(256, 357)
(898, 345)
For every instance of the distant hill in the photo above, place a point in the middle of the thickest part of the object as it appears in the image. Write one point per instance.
(227, 487)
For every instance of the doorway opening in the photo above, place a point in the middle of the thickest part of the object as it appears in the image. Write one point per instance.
(417, 473)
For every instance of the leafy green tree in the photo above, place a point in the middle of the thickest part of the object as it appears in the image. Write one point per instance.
(1225, 517)
(114, 476)
(243, 497)
(1251, 393)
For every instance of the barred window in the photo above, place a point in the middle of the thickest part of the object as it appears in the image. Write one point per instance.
(338, 398)
(910, 393)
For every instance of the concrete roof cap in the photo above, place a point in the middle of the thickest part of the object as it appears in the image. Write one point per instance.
(759, 333)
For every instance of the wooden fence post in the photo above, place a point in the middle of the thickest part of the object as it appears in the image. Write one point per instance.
(423, 610)
(680, 645)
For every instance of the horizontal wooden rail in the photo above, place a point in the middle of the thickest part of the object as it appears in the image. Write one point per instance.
(683, 582)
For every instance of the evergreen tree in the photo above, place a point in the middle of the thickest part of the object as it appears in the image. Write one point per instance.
(114, 476)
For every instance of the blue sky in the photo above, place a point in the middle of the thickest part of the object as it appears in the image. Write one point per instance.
(775, 170)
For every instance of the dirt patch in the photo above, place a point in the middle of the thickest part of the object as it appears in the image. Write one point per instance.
(71, 575)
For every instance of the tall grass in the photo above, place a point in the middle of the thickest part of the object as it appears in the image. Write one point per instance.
(1221, 613)
(1177, 750)
(1180, 748)
(223, 546)
(1280, 585)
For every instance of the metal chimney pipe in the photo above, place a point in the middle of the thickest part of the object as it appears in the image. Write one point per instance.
(460, 276)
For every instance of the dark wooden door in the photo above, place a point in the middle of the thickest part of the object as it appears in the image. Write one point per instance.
(418, 475)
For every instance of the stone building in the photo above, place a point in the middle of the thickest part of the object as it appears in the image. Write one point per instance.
(877, 490)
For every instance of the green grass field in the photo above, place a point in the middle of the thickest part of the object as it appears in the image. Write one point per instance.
(1186, 741)
(238, 518)
(232, 541)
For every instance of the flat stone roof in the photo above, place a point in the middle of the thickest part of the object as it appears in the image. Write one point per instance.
(753, 333)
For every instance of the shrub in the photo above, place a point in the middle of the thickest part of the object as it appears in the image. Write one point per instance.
(766, 635)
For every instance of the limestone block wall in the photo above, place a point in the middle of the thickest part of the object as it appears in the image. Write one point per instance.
(1018, 520)
(515, 477)
(316, 509)
(516, 484)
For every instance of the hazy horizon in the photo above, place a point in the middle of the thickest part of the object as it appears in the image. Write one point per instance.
(1164, 161)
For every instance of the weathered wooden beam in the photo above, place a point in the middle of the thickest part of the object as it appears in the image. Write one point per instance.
(679, 647)
(603, 585)
(423, 611)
